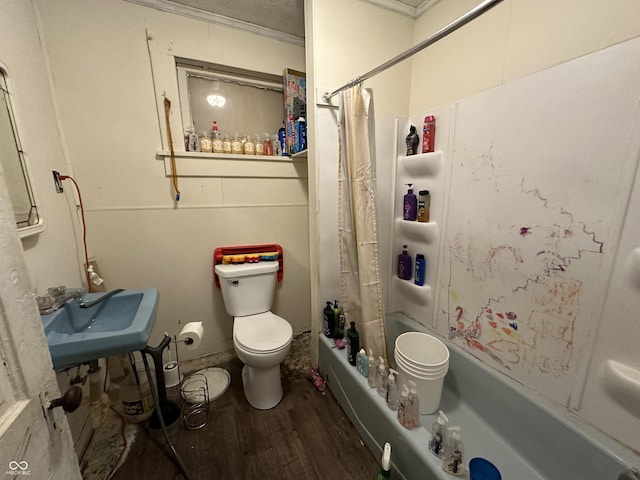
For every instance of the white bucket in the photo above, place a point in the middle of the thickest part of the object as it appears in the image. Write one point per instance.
(421, 373)
(136, 397)
(429, 389)
(397, 354)
(422, 350)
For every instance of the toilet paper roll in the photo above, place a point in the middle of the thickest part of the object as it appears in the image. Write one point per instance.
(191, 334)
(171, 374)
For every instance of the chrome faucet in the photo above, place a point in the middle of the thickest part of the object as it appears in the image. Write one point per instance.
(56, 297)
(84, 304)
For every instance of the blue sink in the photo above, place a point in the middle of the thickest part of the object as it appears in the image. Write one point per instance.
(117, 325)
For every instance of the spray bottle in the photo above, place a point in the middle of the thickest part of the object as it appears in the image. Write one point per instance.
(385, 470)
(392, 390)
(454, 453)
(371, 377)
(381, 379)
(439, 435)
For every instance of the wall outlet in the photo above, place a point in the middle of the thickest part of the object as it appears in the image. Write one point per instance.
(57, 181)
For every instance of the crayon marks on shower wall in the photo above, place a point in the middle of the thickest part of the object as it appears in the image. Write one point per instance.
(515, 280)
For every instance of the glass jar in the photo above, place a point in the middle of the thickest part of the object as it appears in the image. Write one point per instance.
(205, 143)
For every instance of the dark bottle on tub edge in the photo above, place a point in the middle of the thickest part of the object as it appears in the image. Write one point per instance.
(353, 343)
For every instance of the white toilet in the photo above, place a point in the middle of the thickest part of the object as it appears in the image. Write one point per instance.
(261, 339)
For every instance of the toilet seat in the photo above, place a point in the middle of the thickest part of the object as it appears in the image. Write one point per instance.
(262, 333)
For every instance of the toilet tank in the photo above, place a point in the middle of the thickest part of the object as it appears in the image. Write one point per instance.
(248, 288)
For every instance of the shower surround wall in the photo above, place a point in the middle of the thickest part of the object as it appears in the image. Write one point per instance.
(512, 41)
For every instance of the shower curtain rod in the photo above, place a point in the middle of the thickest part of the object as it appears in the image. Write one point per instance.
(440, 34)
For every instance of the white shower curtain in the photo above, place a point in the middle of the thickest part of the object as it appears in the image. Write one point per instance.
(357, 221)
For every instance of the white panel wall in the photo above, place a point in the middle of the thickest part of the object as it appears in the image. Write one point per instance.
(104, 84)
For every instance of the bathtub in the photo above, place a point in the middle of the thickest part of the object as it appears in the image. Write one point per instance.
(525, 436)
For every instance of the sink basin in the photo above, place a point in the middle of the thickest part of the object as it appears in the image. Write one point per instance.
(116, 325)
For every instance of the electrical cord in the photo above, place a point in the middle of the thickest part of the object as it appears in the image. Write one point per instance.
(156, 401)
(84, 231)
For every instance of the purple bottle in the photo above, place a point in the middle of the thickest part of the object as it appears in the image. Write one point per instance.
(410, 207)
(404, 264)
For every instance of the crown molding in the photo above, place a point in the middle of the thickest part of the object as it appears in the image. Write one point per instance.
(403, 8)
(197, 14)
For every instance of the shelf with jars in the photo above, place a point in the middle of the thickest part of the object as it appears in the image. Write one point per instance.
(205, 164)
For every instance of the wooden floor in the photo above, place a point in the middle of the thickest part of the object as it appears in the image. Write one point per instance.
(306, 437)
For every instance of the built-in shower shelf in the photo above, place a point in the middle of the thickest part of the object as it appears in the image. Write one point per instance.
(198, 164)
(423, 232)
(421, 165)
(417, 294)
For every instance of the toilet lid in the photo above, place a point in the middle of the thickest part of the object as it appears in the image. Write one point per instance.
(263, 332)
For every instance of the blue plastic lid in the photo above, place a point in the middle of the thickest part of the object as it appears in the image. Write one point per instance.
(482, 469)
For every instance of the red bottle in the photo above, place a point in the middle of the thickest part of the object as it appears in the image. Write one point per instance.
(429, 134)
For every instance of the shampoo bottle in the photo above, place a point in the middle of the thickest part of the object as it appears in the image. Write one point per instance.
(410, 207)
(381, 379)
(413, 141)
(454, 453)
(439, 435)
(362, 363)
(338, 314)
(371, 377)
(428, 134)
(421, 269)
(385, 470)
(392, 390)
(424, 202)
(328, 320)
(353, 343)
(404, 264)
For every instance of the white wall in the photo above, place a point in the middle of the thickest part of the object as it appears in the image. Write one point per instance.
(104, 84)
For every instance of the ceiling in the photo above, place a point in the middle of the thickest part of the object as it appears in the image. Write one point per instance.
(283, 16)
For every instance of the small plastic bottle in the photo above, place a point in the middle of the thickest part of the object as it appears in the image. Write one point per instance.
(353, 343)
(362, 363)
(381, 379)
(268, 146)
(412, 414)
(205, 143)
(259, 145)
(421, 270)
(249, 146)
(403, 406)
(216, 139)
(392, 390)
(371, 377)
(454, 453)
(194, 144)
(438, 440)
(226, 144)
(236, 144)
(424, 203)
(328, 320)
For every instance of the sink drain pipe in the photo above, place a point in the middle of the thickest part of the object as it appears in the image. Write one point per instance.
(160, 405)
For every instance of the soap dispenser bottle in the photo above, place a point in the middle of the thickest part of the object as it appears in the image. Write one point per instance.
(362, 363)
(454, 453)
(439, 435)
(381, 379)
(412, 417)
(404, 264)
(371, 377)
(392, 390)
(410, 205)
